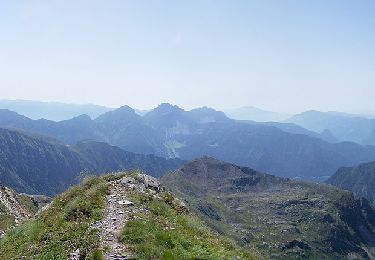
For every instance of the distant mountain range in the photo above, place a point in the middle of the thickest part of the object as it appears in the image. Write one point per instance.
(55, 111)
(296, 129)
(344, 127)
(284, 218)
(270, 216)
(329, 126)
(37, 165)
(255, 114)
(171, 132)
(359, 179)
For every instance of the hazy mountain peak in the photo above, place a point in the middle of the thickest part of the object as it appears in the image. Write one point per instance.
(329, 114)
(344, 127)
(165, 115)
(207, 115)
(166, 107)
(255, 114)
(207, 110)
(120, 114)
(5, 112)
(126, 108)
(312, 111)
(12, 119)
(82, 117)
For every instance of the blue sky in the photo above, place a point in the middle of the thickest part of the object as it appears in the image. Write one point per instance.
(279, 55)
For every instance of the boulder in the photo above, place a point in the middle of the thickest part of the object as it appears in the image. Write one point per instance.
(150, 182)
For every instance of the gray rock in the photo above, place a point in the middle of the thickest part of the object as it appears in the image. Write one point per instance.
(97, 224)
(128, 180)
(126, 203)
(75, 255)
(150, 182)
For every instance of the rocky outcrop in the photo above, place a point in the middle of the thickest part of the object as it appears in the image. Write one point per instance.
(15, 208)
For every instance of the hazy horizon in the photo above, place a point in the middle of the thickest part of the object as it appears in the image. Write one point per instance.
(282, 56)
(225, 109)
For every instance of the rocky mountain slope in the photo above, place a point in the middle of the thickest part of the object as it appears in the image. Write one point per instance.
(171, 132)
(359, 179)
(15, 207)
(106, 158)
(37, 165)
(284, 218)
(117, 216)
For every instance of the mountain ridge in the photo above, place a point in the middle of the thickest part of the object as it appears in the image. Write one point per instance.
(345, 127)
(285, 218)
(172, 132)
(55, 111)
(359, 179)
(123, 215)
(37, 165)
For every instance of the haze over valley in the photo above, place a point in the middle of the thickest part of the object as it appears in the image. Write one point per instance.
(187, 130)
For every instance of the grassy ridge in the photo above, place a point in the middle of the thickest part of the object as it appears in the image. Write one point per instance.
(167, 231)
(163, 230)
(62, 228)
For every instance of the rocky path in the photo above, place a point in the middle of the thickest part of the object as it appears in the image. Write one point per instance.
(118, 211)
(116, 215)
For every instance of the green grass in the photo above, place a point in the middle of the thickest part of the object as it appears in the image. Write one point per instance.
(166, 231)
(62, 228)
(28, 203)
(163, 230)
(6, 221)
